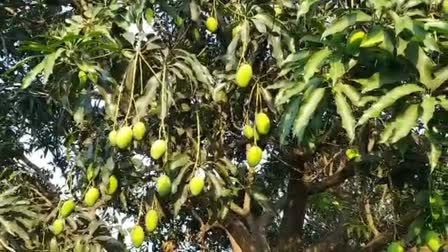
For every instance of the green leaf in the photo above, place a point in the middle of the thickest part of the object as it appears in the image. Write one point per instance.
(179, 177)
(49, 64)
(314, 62)
(344, 22)
(31, 76)
(45, 66)
(437, 25)
(14, 229)
(217, 184)
(306, 112)
(181, 200)
(143, 102)
(345, 111)
(263, 20)
(381, 78)
(294, 57)
(388, 131)
(405, 123)
(305, 6)
(443, 101)
(421, 61)
(178, 160)
(366, 99)
(429, 105)
(402, 23)
(267, 97)
(288, 119)
(350, 92)
(387, 100)
(440, 77)
(337, 69)
(277, 50)
(434, 156)
(285, 94)
(229, 165)
(378, 37)
(245, 33)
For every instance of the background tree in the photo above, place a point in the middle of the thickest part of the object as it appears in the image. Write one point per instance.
(354, 143)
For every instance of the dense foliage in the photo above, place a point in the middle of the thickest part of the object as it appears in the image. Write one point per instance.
(211, 125)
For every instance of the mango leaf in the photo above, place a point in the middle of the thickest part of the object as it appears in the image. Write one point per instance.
(429, 105)
(405, 122)
(277, 52)
(352, 94)
(230, 54)
(179, 178)
(443, 101)
(217, 184)
(314, 62)
(345, 112)
(387, 100)
(388, 131)
(422, 62)
(143, 102)
(281, 84)
(288, 118)
(178, 160)
(305, 6)
(267, 97)
(337, 69)
(294, 57)
(306, 111)
(31, 76)
(380, 78)
(344, 22)
(49, 64)
(378, 37)
(440, 76)
(14, 229)
(437, 25)
(245, 33)
(229, 165)
(402, 23)
(285, 94)
(181, 200)
(265, 20)
(366, 99)
(434, 155)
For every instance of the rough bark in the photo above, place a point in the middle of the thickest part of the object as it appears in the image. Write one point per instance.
(333, 180)
(291, 227)
(241, 237)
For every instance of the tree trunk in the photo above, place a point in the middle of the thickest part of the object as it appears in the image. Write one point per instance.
(241, 237)
(291, 227)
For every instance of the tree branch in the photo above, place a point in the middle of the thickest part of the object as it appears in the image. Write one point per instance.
(369, 217)
(383, 239)
(246, 206)
(336, 179)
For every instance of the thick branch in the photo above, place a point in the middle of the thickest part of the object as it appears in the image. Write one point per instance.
(333, 180)
(246, 206)
(369, 217)
(291, 227)
(383, 239)
(239, 235)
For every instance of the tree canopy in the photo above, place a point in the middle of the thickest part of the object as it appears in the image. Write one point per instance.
(289, 125)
